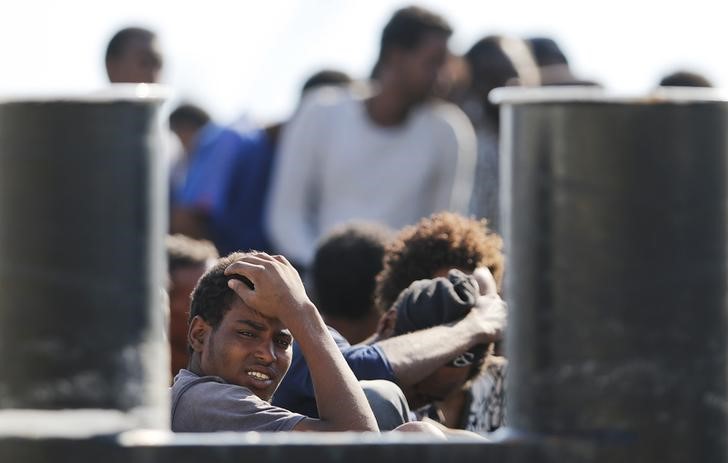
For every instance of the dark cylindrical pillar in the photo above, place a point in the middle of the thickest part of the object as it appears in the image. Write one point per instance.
(81, 223)
(615, 228)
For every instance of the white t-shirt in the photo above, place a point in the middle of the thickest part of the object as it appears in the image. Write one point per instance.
(335, 165)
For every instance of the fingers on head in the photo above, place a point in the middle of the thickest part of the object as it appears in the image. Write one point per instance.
(264, 259)
(281, 259)
(246, 266)
(256, 262)
(239, 283)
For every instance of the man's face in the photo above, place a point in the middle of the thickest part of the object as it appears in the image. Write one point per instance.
(436, 387)
(247, 349)
(452, 376)
(139, 62)
(420, 67)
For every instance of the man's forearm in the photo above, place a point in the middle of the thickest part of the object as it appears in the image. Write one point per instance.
(341, 402)
(414, 356)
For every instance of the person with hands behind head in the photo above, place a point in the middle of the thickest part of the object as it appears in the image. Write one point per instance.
(456, 395)
(244, 314)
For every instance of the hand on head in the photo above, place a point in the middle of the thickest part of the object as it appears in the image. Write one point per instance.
(491, 315)
(277, 287)
(486, 281)
(489, 310)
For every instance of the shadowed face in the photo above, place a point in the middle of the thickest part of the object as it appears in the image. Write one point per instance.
(440, 384)
(246, 349)
(139, 62)
(418, 69)
(455, 374)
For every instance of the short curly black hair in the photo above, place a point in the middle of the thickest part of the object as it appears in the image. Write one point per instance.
(409, 25)
(183, 251)
(442, 241)
(345, 266)
(406, 30)
(118, 43)
(212, 297)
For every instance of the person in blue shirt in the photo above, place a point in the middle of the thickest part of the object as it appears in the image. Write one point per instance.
(219, 189)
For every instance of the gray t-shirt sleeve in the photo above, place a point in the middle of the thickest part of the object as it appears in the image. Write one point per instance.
(205, 405)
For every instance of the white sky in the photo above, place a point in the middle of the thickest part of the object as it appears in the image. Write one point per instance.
(236, 57)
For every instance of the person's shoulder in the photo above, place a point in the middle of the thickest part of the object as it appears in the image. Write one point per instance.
(339, 339)
(208, 393)
(448, 124)
(334, 97)
(252, 139)
(444, 113)
(186, 379)
(209, 404)
(215, 138)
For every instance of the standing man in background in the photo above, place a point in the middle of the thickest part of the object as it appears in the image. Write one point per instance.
(133, 56)
(220, 191)
(390, 154)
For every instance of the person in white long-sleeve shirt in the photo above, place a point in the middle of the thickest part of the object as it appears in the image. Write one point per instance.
(387, 153)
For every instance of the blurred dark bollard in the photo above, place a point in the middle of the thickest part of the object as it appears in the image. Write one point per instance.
(615, 230)
(81, 223)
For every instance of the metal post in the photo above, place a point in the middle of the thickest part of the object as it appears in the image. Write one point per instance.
(615, 228)
(81, 226)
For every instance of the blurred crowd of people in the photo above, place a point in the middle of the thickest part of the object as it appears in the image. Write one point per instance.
(382, 192)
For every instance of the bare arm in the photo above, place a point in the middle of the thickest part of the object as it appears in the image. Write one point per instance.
(279, 293)
(414, 356)
(341, 403)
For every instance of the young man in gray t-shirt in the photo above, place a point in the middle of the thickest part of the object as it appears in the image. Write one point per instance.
(244, 313)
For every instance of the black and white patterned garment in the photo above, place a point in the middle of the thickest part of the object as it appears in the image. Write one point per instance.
(484, 410)
(485, 406)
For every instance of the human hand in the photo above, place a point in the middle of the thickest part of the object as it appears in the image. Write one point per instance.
(486, 281)
(489, 315)
(277, 288)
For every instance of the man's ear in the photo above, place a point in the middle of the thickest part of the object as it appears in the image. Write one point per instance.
(198, 333)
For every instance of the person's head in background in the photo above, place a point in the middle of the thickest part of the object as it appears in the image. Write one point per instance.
(133, 56)
(432, 247)
(433, 302)
(413, 51)
(553, 65)
(316, 81)
(186, 121)
(344, 270)
(547, 52)
(496, 61)
(325, 77)
(685, 78)
(187, 261)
